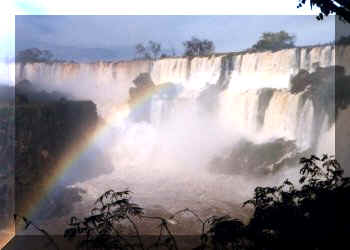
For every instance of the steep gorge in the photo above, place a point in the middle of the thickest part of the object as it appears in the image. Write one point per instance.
(275, 111)
(200, 108)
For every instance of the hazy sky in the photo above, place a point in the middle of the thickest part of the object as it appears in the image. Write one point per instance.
(229, 33)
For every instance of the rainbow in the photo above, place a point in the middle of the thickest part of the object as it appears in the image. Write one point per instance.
(74, 151)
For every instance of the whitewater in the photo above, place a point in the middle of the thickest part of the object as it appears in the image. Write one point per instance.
(165, 162)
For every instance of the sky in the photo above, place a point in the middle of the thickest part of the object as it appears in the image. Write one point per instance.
(229, 33)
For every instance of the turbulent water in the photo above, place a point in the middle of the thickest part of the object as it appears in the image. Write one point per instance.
(165, 161)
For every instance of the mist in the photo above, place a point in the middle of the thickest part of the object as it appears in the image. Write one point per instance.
(167, 158)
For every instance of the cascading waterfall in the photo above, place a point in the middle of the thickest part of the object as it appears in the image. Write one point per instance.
(243, 103)
(270, 113)
(162, 159)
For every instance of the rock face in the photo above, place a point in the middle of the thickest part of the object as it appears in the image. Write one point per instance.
(268, 69)
(35, 132)
(247, 157)
(45, 131)
(264, 79)
(139, 94)
(283, 94)
(7, 130)
(248, 92)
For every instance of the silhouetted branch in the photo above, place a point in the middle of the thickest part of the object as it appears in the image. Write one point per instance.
(137, 232)
(30, 223)
(165, 225)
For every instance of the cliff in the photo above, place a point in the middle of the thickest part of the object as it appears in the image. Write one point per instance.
(278, 102)
(44, 132)
(33, 140)
(271, 68)
(108, 83)
(7, 130)
(250, 92)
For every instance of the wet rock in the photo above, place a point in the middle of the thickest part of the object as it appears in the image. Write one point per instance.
(246, 157)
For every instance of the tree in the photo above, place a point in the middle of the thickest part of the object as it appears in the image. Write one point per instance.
(274, 41)
(33, 55)
(105, 227)
(140, 50)
(155, 49)
(152, 51)
(173, 51)
(314, 216)
(338, 7)
(197, 47)
(343, 40)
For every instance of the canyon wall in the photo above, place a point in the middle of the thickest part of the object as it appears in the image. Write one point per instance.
(251, 95)
(253, 87)
(240, 71)
(44, 133)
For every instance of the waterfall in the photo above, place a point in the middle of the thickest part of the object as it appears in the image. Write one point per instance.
(254, 86)
(161, 110)
(198, 109)
(269, 113)
(106, 83)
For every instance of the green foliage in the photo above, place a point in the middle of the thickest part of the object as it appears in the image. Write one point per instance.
(104, 228)
(338, 7)
(197, 47)
(155, 49)
(311, 215)
(34, 55)
(101, 227)
(274, 41)
(226, 232)
(141, 51)
(151, 51)
(314, 216)
(344, 40)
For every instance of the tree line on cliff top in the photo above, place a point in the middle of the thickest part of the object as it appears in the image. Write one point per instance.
(273, 40)
(268, 41)
(204, 47)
